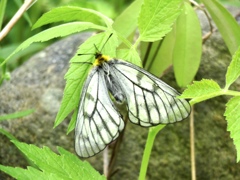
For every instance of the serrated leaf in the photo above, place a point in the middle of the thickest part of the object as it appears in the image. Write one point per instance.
(89, 172)
(79, 70)
(227, 25)
(72, 123)
(29, 173)
(156, 18)
(188, 46)
(68, 14)
(202, 90)
(64, 166)
(233, 71)
(57, 31)
(232, 114)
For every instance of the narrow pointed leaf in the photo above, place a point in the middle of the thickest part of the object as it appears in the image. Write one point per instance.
(68, 14)
(16, 114)
(233, 71)
(58, 31)
(188, 46)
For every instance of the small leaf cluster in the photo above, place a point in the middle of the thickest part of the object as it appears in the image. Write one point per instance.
(206, 89)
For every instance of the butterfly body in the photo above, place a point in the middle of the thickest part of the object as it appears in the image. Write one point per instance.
(148, 100)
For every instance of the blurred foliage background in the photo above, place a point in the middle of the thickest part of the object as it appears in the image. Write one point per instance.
(22, 29)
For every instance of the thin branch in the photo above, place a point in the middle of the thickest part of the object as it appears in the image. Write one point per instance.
(207, 35)
(15, 18)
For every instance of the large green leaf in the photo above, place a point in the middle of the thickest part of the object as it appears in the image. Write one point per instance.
(227, 25)
(188, 46)
(51, 165)
(156, 18)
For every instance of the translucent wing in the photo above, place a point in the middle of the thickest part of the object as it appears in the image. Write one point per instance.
(98, 121)
(150, 101)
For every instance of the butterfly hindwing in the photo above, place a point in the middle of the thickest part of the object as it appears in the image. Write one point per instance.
(150, 101)
(98, 121)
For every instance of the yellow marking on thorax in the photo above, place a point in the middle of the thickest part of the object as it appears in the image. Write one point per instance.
(101, 59)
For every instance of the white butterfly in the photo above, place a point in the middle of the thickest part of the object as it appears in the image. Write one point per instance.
(149, 102)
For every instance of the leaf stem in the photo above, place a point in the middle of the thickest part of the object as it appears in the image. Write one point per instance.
(214, 94)
(153, 131)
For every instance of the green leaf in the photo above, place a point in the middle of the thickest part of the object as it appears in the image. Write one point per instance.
(232, 114)
(202, 90)
(7, 134)
(76, 76)
(79, 70)
(58, 31)
(30, 173)
(126, 22)
(72, 123)
(233, 71)
(16, 114)
(71, 13)
(163, 58)
(51, 165)
(188, 46)
(227, 25)
(129, 55)
(3, 4)
(156, 18)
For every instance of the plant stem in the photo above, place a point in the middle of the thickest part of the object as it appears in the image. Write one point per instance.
(192, 144)
(147, 151)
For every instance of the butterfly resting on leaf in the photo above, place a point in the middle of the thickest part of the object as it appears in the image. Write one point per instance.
(149, 102)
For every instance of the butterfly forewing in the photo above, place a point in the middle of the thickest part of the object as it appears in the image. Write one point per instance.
(98, 121)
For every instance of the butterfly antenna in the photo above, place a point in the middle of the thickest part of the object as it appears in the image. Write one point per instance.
(97, 50)
(106, 41)
(85, 54)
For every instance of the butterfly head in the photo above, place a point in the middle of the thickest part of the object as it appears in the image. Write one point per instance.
(100, 59)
